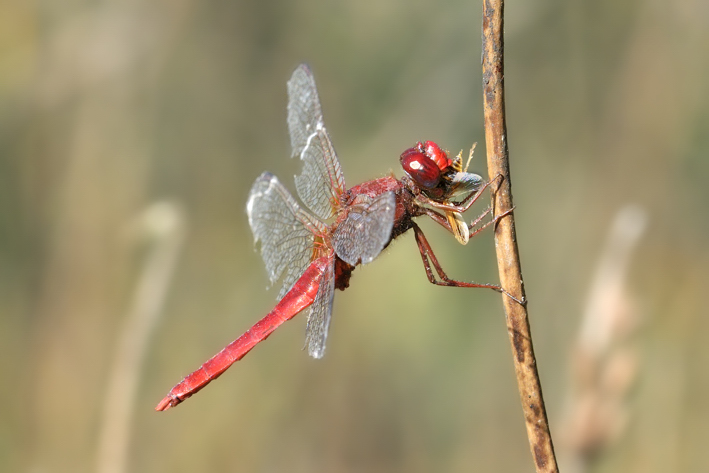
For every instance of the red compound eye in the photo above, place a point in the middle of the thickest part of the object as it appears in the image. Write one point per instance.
(439, 156)
(421, 168)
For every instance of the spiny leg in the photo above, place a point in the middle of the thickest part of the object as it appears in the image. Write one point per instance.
(475, 222)
(464, 204)
(429, 257)
(443, 221)
(492, 221)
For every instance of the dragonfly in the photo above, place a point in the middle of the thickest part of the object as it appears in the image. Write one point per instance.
(314, 250)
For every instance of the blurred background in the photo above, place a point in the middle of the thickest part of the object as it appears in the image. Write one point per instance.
(114, 107)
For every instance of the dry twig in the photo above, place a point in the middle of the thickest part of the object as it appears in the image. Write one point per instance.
(530, 388)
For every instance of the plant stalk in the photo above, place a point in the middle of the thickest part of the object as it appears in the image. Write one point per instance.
(530, 388)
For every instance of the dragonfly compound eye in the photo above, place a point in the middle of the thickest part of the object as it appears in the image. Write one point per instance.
(422, 169)
(438, 156)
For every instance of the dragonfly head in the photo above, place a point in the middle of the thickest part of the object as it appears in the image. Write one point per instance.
(420, 167)
(434, 174)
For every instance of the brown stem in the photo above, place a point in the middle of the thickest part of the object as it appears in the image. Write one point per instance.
(530, 388)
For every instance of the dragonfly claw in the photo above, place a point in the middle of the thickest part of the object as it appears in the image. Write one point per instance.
(522, 302)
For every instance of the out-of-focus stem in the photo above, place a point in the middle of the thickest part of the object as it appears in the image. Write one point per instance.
(607, 293)
(604, 362)
(163, 223)
(530, 388)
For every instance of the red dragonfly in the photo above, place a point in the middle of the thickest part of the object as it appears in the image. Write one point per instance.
(313, 257)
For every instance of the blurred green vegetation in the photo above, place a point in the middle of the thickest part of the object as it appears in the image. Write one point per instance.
(108, 106)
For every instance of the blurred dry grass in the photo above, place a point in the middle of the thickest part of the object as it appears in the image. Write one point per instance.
(108, 106)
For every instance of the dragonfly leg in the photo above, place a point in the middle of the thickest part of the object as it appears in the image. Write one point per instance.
(471, 198)
(475, 222)
(461, 206)
(443, 221)
(438, 218)
(429, 258)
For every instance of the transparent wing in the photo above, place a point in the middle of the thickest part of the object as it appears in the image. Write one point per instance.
(287, 233)
(321, 183)
(320, 313)
(463, 183)
(366, 229)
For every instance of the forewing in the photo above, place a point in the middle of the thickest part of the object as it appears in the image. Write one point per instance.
(287, 233)
(320, 313)
(321, 183)
(366, 229)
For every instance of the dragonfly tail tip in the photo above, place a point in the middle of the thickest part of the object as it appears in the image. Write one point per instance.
(164, 405)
